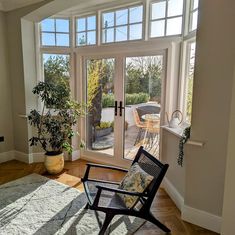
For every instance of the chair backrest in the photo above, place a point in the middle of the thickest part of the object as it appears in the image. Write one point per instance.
(147, 109)
(153, 126)
(136, 118)
(153, 167)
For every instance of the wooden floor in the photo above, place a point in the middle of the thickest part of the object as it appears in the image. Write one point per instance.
(163, 207)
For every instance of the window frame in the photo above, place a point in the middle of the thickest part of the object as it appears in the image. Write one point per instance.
(55, 32)
(191, 12)
(183, 78)
(150, 20)
(86, 31)
(142, 4)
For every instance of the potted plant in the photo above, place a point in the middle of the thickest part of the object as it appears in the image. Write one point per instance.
(105, 128)
(54, 123)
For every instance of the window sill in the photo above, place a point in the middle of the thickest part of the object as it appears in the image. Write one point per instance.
(179, 133)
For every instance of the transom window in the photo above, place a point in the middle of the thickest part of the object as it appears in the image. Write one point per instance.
(86, 31)
(122, 25)
(166, 18)
(147, 20)
(193, 15)
(55, 32)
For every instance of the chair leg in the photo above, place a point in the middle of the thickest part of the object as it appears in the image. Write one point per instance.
(108, 218)
(152, 219)
(87, 206)
(138, 136)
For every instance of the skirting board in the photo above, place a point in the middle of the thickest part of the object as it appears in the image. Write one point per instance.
(31, 157)
(7, 156)
(173, 193)
(190, 214)
(202, 218)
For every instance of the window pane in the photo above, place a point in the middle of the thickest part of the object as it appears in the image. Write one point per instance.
(121, 34)
(108, 19)
(174, 26)
(62, 25)
(108, 35)
(158, 28)
(62, 39)
(136, 14)
(195, 4)
(190, 75)
(135, 31)
(56, 66)
(175, 7)
(194, 20)
(48, 39)
(158, 10)
(48, 25)
(81, 24)
(91, 23)
(91, 38)
(121, 17)
(81, 39)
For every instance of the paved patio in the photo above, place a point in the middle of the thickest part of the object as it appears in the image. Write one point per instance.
(151, 144)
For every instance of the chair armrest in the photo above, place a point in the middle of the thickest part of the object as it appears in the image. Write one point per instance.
(121, 191)
(100, 188)
(107, 167)
(89, 165)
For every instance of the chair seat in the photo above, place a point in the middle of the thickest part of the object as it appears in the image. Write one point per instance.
(107, 199)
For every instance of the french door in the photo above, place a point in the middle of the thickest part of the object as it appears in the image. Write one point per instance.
(114, 88)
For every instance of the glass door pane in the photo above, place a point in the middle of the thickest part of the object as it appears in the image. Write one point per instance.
(143, 92)
(100, 102)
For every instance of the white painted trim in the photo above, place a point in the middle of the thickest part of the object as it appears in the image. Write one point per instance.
(173, 193)
(76, 155)
(190, 214)
(202, 218)
(38, 157)
(1, 7)
(31, 157)
(23, 157)
(9, 5)
(7, 156)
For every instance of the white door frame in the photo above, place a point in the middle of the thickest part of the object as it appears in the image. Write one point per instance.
(119, 57)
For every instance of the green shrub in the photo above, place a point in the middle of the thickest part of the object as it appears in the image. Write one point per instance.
(107, 100)
(104, 125)
(135, 98)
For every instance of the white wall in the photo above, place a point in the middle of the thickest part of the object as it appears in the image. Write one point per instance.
(17, 76)
(228, 225)
(6, 128)
(205, 166)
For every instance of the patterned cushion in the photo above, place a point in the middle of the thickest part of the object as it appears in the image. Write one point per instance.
(136, 180)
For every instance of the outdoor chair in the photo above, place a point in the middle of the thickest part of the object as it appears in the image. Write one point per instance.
(141, 125)
(99, 191)
(147, 109)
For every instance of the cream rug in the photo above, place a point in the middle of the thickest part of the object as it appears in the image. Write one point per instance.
(36, 205)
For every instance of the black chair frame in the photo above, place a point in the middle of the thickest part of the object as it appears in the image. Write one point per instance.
(145, 198)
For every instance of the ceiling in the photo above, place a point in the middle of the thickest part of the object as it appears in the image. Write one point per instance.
(8, 5)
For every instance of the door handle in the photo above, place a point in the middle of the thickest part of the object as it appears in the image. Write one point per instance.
(115, 108)
(120, 108)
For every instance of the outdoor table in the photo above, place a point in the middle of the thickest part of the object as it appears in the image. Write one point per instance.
(152, 121)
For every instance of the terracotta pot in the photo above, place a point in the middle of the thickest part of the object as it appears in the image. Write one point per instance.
(54, 163)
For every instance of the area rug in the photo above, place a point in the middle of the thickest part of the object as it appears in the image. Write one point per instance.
(36, 205)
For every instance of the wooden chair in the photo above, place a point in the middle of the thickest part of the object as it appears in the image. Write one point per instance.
(101, 191)
(151, 137)
(141, 125)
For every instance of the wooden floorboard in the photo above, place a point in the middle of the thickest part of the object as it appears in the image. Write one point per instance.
(163, 207)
